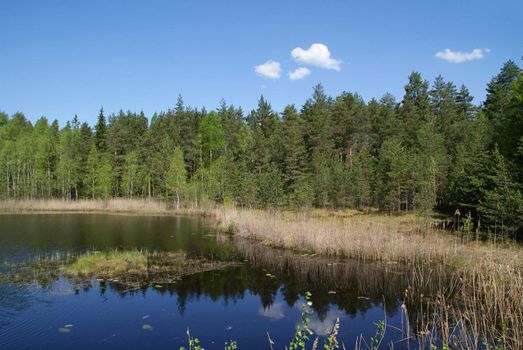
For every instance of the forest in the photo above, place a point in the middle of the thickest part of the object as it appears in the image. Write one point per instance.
(433, 151)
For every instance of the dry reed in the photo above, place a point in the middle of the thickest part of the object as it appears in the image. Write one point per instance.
(115, 205)
(475, 296)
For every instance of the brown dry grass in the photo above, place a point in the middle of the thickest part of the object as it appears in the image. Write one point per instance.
(116, 205)
(376, 237)
(472, 289)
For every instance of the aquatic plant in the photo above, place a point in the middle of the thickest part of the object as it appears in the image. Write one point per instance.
(130, 269)
(303, 331)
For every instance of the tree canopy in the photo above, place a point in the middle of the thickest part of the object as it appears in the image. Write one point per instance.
(434, 150)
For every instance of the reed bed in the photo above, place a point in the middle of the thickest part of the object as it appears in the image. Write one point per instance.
(115, 205)
(375, 237)
(466, 295)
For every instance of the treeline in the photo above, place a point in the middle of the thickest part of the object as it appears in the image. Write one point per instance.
(434, 149)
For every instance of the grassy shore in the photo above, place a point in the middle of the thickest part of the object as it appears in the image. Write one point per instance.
(478, 300)
(374, 236)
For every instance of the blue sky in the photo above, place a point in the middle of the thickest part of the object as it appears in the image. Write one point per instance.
(59, 58)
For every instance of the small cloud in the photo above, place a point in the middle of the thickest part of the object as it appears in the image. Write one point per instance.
(275, 311)
(299, 73)
(317, 55)
(324, 327)
(459, 57)
(263, 87)
(270, 69)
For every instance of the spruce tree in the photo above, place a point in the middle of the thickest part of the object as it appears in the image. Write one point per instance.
(100, 133)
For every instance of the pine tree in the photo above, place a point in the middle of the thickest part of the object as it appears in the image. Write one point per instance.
(100, 133)
(502, 205)
(415, 107)
(295, 161)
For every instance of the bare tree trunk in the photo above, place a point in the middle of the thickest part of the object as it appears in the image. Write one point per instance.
(149, 185)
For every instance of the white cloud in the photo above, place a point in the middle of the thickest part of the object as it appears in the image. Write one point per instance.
(299, 73)
(317, 55)
(459, 57)
(275, 311)
(324, 327)
(270, 69)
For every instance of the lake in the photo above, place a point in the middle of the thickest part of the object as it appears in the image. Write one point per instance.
(255, 290)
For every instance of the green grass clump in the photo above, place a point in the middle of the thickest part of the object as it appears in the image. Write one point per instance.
(108, 263)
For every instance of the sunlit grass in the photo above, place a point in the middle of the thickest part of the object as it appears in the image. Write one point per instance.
(109, 263)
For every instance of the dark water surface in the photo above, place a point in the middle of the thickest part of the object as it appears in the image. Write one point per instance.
(263, 294)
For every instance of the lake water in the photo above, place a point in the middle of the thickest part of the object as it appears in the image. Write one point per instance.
(264, 294)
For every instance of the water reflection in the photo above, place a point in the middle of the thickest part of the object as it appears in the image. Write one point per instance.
(263, 293)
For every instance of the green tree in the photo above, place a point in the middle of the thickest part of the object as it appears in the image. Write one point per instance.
(131, 174)
(501, 207)
(100, 132)
(210, 138)
(91, 172)
(177, 176)
(105, 177)
(67, 170)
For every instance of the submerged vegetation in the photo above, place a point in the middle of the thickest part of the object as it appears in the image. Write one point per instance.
(131, 270)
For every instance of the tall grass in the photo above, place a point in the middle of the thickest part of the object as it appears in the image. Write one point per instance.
(376, 237)
(115, 205)
(466, 294)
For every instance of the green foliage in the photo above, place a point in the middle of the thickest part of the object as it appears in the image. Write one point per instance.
(132, 176)
(433, 150)
(502, 204)
(211, 138)
(100, 133)
(176, 180)
(231, 345)
(377, 339)
(303, 331)
(104, 177)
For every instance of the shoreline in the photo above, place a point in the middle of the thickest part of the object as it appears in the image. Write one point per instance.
(487, 277)
(88, 206)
